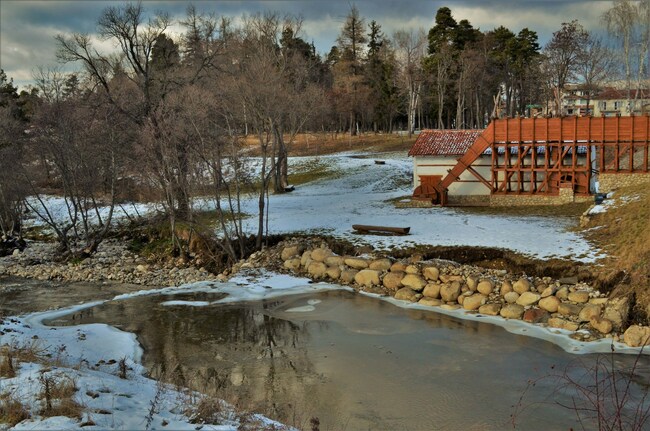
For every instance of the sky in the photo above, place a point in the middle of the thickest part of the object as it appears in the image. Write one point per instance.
(27, 28)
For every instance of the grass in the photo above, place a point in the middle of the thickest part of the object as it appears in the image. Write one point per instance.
(565, 210)
(623, 231)
(12, 410)
(57, 393)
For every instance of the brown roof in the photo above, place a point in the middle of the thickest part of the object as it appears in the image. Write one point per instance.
(444, 142)
(613, 94)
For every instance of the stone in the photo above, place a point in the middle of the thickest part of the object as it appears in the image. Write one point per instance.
(412, 269)
(540, 288)
(535, 315)
(430, 301)
(449, 292)
(398, 267)
(506, 287)
(393, 280)
(356, 262)
(485, 287)
(333, 272)
(472, 282)
(511, 297)
(320, 254)
(431, 273)
(305, 259)
(617, 311)
(142, 268)
(569, 309)
(556, 322)
(347, 275)
(512, 311)
(598, 301)
(292, 264)
(490, 309)
(431, 290)
(407, 294)
(602, 325)
(550, 304)
(588, 312)
(414, 281)
(462, 297)
(448, 278)
(450, 306)
(562, 292)
(528, 298)
(317, 269)
(549, 291)
(334, 261)
(579, 296)
(367, 277)
(637, 336)
(522, 285)
(474, 301)
(380, 264)
(290, 251)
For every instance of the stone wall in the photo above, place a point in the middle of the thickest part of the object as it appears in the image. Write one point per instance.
(466, 200)
(566, 196)
(610, 182)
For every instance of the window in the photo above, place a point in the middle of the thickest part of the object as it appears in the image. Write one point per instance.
(617, 105)
(603, 105)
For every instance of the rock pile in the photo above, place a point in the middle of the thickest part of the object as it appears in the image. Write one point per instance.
(113, 262)
(564, 304)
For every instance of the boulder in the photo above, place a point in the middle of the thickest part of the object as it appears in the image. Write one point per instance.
(334, 261)
(290, 251)
(473, 302)
(431, 290)
(292, 264)
(412, 269)
(317, 269)
(588, 312)
(431, 273)
(449, 292)
(393, 280)
(569, 309)
(528, 298)
(490, 309)
(472, 282)
(617, 311)
(367, 277)
(522, 285)
(347, 275)
(430, 301)
(398, 267)
(602, 325)
(356, 262)
(512, 311)
(535, 315)
(549, 291)
(407, 294)
(506, 287)
(579, 296)
(637, 336)
(414, 281)
(450, 306)
(598, 301)
(550, 304)
(485, 287)
(511, 297)
(380, 265)
(562, 292)
(333, 272)
(540, 288)
(448, 278)
(556, 322)
(305, 259)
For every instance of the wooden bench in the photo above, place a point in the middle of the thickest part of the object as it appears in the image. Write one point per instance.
(362, 228)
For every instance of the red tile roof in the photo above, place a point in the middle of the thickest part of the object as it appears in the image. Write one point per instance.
(444, 142)
(612, 94)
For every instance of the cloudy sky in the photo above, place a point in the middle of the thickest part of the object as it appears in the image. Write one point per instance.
(27, 28)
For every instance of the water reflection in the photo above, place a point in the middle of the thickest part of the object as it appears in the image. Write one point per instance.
(352, 361)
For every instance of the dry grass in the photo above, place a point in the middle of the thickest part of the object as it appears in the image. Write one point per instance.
(315, 144)
(12, 411)
(57, 393)
(624, 233)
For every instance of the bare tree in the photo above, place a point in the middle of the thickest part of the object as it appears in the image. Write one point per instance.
(410, 52)
(594, 66)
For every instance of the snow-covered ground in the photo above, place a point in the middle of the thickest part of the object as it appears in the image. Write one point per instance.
(359, 194)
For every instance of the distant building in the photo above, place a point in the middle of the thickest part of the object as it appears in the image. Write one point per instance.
(611, 102)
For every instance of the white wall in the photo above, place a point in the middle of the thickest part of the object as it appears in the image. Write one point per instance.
(468, 185)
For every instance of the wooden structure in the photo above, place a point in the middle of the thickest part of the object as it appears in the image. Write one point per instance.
(539, 156)
(362, 228)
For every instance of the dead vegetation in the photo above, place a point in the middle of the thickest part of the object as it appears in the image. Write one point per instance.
(12, 410)
(623, 231)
